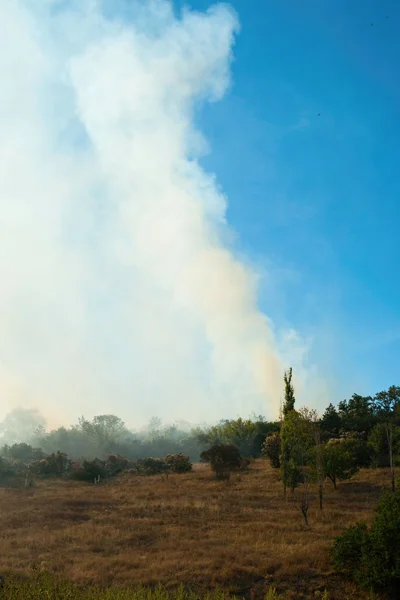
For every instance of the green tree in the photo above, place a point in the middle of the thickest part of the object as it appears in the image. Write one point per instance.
(379, 444)
(331, 421)
(357, 414)
(103, 430)
(297, 441)
(338, 462)
(289, 392)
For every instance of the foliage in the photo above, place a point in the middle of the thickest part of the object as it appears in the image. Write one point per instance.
(22, 451)
(331, 421)
(116, 463)
(178, 463)
(89, 470)
(357, 414)
(103, 430)
(55, 465)
(378, 443)
(272, 449)
(246, 434)
(6, 469)
(289, 393)
(371, 556)
(151, 466)
(338, 462)
(297, 441)
(223, 459)
(359, 449)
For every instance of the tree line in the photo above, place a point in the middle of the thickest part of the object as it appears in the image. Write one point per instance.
(363, 431)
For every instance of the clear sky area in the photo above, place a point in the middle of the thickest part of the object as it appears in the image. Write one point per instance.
(306, 146)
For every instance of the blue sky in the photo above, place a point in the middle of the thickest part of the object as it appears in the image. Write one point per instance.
(315, 198)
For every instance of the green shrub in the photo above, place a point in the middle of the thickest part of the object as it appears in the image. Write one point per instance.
(151, 466)
(54, 465)
(223, 459)
(271, 449)
(89, 470)
(6, 469)
(116, 464)
(371, 556)
(178, 463)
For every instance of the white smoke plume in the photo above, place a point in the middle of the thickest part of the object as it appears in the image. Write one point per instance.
(117, 292)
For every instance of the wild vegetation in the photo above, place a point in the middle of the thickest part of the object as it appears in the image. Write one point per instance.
(284, 508)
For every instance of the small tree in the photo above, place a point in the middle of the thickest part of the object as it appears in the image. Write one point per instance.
(223, 459)
(297, 443)
(272, 448)
(338, 463)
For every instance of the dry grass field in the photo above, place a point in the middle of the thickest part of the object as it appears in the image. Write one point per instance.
(185, 529)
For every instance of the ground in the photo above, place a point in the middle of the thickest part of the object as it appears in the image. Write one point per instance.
(185, 529)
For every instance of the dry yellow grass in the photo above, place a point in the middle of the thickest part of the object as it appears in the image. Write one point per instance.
(188, 529)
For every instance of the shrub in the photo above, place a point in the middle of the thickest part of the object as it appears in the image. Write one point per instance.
(89, 470)
(372, 556)
(223, 459)
(178, 463)
(54, 465)
(271, 449)
(6, 469)
(116, 463)
(151, 466)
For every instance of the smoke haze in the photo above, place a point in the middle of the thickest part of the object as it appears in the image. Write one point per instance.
(118, 293)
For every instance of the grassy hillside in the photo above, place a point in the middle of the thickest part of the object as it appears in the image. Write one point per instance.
(240, 535)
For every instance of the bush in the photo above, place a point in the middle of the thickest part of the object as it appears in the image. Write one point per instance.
(116, 464)
(372, 556)
(271, 449)
(54, 465)
(89, 470)
(178, 463)
(223, 459)
(151, 466)
(6, 469)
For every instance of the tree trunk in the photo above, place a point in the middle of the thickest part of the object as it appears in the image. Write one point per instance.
(333, 479)
(320, 470)
(320, 495)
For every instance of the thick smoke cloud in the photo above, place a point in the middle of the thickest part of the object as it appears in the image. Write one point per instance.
(117, 292)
